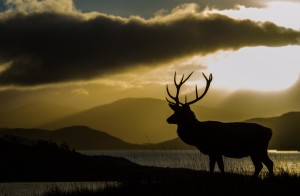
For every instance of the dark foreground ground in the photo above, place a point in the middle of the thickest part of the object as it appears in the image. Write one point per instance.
(198, 183)
(38, 161)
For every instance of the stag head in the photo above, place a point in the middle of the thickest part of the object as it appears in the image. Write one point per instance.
(182, 111)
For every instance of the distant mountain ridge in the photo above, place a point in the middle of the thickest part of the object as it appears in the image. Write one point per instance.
(143, 121)
(77, 137)
(133, 120)
(34, 114)
(286, 130)
(136, 120)
(85, 138)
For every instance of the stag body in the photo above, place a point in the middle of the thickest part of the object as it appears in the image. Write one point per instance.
(217, 139)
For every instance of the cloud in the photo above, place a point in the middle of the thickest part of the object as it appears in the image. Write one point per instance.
(282, 13)
(147, 8)
(44, 45)
(40, 6)
(80, 91)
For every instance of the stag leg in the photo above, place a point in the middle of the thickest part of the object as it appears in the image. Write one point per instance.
(257, 164)
(212, 162)
(220, 163)
(269, 164)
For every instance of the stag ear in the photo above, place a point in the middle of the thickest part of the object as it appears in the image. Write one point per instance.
(172, 106)
(186, 106)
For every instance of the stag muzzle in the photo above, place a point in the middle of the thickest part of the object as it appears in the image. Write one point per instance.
(171, 120)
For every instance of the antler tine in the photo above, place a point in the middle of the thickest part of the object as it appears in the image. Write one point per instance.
(169, 101)
(178, 86)
(187, 77)
(208, 81)
(170, 94)
(182, 81)
(175, 79)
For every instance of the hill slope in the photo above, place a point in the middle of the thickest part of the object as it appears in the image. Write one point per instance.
(142, 121)
(34, 114)
(139, 120)
(133, 120)
(31, 160)
(84, 138)
(286, 130)
(77, 137)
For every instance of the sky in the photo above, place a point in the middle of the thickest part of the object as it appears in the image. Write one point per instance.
(83, 53)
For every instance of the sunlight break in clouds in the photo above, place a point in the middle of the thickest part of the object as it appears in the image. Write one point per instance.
(282, 13)
(258, 68)
(80, 91)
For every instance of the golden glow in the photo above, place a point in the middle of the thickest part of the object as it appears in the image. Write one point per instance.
(258, 68)
(253, 68)
(80, 91)
(285, 14)
(4, 66)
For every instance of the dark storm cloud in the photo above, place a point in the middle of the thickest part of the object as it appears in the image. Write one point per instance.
(51, 47)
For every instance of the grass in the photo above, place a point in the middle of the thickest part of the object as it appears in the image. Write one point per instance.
(181, 181)
(185, 182)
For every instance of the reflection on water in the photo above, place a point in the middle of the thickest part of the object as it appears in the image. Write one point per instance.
(288, 161)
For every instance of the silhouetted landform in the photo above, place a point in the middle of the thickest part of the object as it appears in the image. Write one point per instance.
(38, 160)
(197, 184)
(126, 119)
(34, 114)
(24, 160)
(84, 138)
(174, 144)
(136, 120)
(260, 104)
(286, 130)
(29, 160)
(77, 137)
(137, 126)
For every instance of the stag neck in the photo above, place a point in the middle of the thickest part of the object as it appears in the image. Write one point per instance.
(189, 121)
(187, 131)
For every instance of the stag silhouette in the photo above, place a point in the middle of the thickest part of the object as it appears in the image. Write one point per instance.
(217, 139)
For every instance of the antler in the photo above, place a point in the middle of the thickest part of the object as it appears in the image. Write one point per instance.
(178, 86)
(208, 81)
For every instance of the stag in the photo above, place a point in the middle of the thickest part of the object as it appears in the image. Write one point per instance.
(218, 139)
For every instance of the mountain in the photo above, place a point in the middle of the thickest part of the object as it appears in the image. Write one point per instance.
(132, 120)
(262, 103)
(38, 160)
(286, 130)
(34, 114)
(77, 137)
(136, 120)
(173, 144)
(84, 138)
